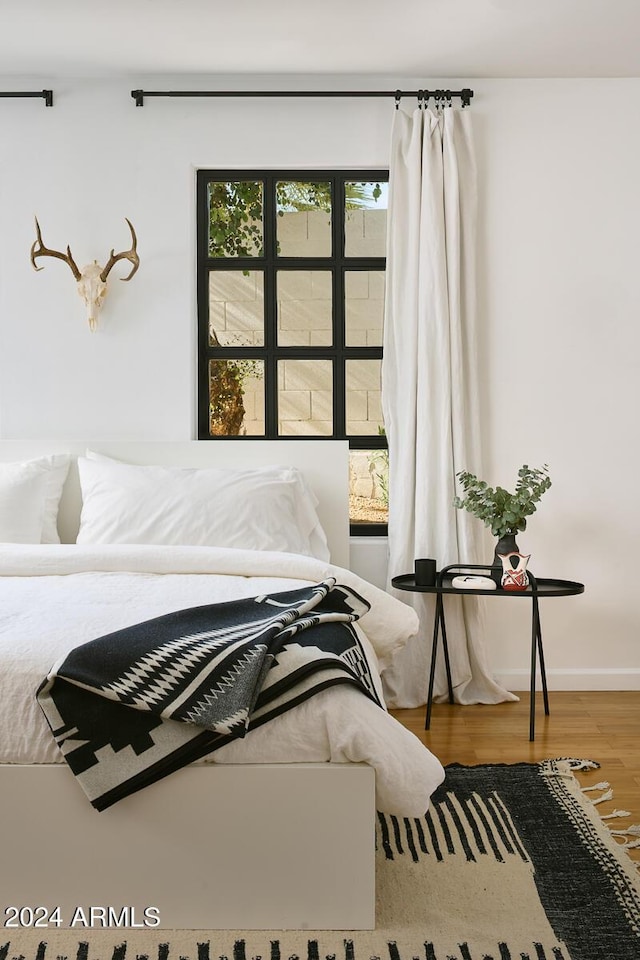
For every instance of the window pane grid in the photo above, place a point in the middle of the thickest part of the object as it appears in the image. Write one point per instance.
(290, 309)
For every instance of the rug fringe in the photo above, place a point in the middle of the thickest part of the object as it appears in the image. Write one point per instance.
(567, 768)
(632, 831)
(616, 813)
(608, 795)
(577, 764)
(597, 786)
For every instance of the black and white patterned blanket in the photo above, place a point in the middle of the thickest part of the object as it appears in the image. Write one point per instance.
(131, 707)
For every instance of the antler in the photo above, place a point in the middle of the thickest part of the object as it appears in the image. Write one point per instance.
(38, 249)
(130, 255)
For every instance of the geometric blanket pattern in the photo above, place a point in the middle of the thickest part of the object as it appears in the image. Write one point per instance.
(128, 708)
(512, 862)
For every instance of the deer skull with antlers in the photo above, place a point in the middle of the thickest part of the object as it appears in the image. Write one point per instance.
(92, 279)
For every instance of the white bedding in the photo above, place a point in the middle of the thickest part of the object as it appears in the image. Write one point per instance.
(55, 597)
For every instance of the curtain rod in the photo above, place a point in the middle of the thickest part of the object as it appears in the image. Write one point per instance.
(46, 95)
(465, 95)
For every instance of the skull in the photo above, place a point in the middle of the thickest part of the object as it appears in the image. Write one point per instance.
(93, 289)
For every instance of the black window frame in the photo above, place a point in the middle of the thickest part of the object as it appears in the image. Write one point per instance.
(269, 263)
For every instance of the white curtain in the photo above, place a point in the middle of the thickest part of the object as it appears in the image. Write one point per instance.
(429, 390)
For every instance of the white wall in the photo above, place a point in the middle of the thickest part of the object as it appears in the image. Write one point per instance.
(559, 301)
(560, 304)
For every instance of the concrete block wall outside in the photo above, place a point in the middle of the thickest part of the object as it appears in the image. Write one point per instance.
(304, 318)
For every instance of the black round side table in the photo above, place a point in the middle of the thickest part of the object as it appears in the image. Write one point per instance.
(538, 588)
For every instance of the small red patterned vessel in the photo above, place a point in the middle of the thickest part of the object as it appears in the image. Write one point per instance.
(514, 574)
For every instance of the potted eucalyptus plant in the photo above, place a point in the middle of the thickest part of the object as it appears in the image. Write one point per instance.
(503, 512)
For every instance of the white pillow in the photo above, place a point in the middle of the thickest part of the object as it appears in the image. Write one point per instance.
(261, 509)
(29, 496)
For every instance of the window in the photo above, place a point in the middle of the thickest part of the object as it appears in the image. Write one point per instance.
(291, 273)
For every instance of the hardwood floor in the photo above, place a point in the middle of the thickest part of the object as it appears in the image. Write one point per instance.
(601, 726)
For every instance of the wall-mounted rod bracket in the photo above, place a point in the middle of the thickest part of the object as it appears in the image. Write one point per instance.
(46, 95)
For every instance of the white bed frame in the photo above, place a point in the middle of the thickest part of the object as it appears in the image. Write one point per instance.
(264, 846)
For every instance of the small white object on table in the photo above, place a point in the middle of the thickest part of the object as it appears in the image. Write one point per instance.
(473, 583)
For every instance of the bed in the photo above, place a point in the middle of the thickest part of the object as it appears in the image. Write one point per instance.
(264, 833)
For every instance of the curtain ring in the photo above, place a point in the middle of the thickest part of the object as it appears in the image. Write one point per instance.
(398, 98)
(421, 99)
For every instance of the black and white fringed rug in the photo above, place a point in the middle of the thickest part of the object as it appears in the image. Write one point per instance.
(513, 862)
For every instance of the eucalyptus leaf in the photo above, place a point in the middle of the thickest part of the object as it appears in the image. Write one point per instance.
(503, 512)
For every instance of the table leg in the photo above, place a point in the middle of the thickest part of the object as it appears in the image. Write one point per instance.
(532, 693)
(434, 651)
(445, 647)
(543, 672)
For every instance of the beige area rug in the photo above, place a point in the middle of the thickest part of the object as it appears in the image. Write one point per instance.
(512, 862)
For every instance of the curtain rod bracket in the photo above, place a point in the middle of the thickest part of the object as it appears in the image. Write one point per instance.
(46, 95)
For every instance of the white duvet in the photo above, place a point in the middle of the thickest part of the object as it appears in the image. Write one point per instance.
(54, 597)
